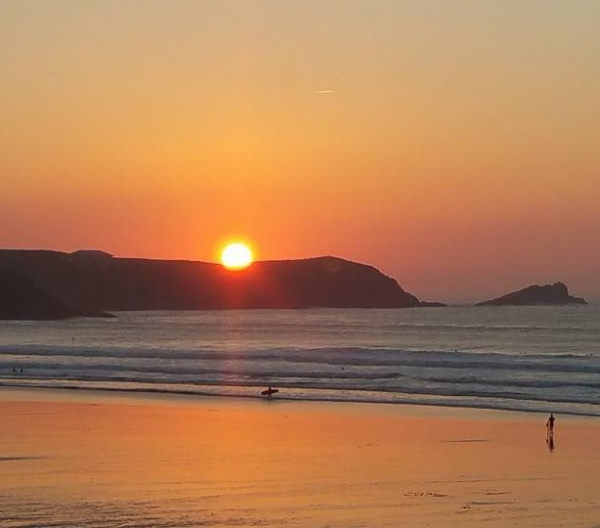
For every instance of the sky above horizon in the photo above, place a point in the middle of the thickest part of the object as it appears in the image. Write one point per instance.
(452, 144)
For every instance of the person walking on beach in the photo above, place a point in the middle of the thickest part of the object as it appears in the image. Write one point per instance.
(550, 424)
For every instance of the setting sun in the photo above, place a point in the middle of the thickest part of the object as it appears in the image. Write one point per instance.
(236, 256)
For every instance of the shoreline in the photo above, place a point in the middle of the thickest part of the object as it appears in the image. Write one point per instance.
(141, 397)
(83, 395)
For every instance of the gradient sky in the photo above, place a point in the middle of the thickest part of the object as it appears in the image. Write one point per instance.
(453, 144)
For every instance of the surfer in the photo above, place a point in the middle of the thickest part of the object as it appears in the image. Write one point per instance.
(269, 392)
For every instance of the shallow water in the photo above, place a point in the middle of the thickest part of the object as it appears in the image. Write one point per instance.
(520, 358)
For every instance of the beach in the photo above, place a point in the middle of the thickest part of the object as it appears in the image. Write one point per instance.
(79, 458)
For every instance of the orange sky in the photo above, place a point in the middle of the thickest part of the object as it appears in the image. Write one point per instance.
(454, 146)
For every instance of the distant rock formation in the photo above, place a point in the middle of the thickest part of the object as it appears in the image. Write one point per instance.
(556, 293)
(111, 284)
(21, 299)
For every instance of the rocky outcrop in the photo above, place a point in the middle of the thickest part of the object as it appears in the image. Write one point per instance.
(21, 299)
(110, 284)
(556, 294)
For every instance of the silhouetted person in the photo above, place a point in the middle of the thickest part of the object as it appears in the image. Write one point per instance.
(550, 425)
(269, 392)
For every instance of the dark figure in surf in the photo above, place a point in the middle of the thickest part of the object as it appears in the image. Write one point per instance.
(269, 392)
(550, 432)
(550, 425)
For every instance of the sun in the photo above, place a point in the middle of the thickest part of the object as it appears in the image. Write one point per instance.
(236, 256)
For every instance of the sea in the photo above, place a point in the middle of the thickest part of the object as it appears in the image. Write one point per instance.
(538, 358)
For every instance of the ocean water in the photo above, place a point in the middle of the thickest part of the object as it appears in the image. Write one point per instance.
(544, 359)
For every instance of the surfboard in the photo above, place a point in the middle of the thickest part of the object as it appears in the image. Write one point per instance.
(269, 392)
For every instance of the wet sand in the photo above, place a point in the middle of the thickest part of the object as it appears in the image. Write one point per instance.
(93, 459)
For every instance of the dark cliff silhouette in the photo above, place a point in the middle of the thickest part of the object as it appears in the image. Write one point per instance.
(21, 299)
(556, 293)
(97, 281)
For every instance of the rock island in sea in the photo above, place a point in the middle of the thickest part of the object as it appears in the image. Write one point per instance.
(548, 294)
